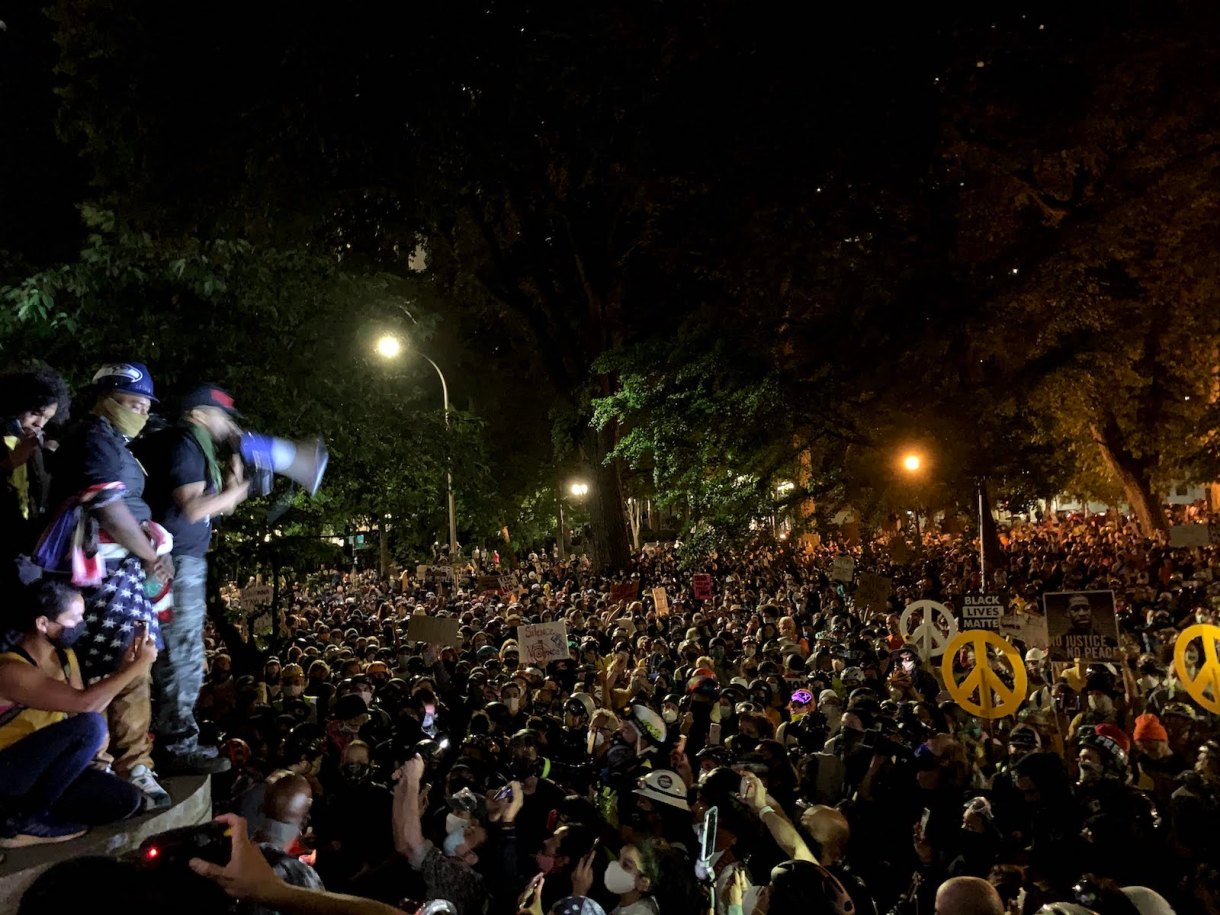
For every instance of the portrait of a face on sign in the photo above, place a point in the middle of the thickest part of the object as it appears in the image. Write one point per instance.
(1081, 624)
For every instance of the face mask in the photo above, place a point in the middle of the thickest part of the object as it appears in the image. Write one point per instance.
(355, 772)
(454, 823)
(128, 422)
(293, 691)
(546, 863)
(669, 715)
(69, 636)
(1103, 704)
(618, 881)
(1089, 771)
(513, 705)
(598, 739)
(452, 842)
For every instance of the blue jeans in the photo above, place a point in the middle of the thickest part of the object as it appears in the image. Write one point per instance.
(178, 671)
(48, 771)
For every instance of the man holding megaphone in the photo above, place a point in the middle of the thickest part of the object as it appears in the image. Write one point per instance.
(188, 485)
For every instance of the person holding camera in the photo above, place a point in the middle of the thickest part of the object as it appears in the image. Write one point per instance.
(52, 727)
(187, 487)
(29, 402)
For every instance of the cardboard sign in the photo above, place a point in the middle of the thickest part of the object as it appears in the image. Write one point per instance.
(1082, 624)
(842, 568)
(982, 691)
(982, 611)
(1025, 622)
(660, 600)
(256, 596)
(624, 591)
(489, 583)
(872, 591)
(541, 643)
(440, 573)
(434, 630)
(421, 572)
(1188, 535)
(701, 586)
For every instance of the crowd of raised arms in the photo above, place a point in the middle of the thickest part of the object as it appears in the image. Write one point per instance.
(479, 770)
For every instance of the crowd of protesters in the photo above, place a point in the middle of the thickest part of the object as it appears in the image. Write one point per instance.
(470, 777)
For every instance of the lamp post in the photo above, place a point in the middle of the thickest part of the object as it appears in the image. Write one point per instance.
(578, 490)
(912, 464)
(390, 347)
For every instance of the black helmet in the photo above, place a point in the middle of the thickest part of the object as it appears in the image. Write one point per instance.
(303, 742)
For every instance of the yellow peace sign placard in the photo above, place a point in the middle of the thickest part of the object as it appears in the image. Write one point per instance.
(982, 692)
(1203, 683)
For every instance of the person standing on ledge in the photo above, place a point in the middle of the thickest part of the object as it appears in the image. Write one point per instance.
(187, 487)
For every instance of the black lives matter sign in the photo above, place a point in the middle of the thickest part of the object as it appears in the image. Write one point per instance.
(982, 611)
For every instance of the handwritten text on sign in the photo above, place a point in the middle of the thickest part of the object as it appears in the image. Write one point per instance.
(541, 643)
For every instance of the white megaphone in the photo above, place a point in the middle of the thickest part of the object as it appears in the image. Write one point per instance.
(302, 461)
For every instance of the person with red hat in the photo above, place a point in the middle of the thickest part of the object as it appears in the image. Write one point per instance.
(1157, 766)
(187, 487)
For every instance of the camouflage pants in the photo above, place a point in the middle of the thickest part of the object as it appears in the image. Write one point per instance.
(178, 671)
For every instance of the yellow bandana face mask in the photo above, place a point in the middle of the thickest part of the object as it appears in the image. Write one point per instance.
(128, 422)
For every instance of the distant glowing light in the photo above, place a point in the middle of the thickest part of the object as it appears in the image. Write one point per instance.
(1015, 271)
(911, 462)
(579, 489)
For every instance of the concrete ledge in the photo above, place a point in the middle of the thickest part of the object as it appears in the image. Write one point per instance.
(192, 805)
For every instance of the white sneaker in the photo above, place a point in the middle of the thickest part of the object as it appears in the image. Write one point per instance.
(155, 797)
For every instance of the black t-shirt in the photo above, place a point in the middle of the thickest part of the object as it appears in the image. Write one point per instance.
(92, 454)
(173, 458)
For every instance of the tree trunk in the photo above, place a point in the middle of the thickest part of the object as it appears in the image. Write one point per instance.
(383, 549)
(606, 502)
(1133, 474)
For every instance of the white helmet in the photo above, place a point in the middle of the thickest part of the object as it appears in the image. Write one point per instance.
(648, 722)
(665, 787)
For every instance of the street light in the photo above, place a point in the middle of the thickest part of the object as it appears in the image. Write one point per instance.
(912, 463)
(578, 490)
(390, 346)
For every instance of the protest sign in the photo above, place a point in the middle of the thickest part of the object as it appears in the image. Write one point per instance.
(541, 643)
(1187, 535)
(982, 611)
(984, 691)
(624, 591)
(661, 601)
(929, 626)
(256, 596)
(440, 573)
(842, 568)
(1026, 623)
(872, 591)
(263, 625)
(1198, 666)
(701, 586)
(1081, 624)
(434, 630)
(421, 572)
(489, 583)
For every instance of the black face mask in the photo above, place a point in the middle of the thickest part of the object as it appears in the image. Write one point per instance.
(69, 636)
(355, 773)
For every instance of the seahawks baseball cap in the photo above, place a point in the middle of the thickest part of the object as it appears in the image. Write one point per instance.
(209, 395)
